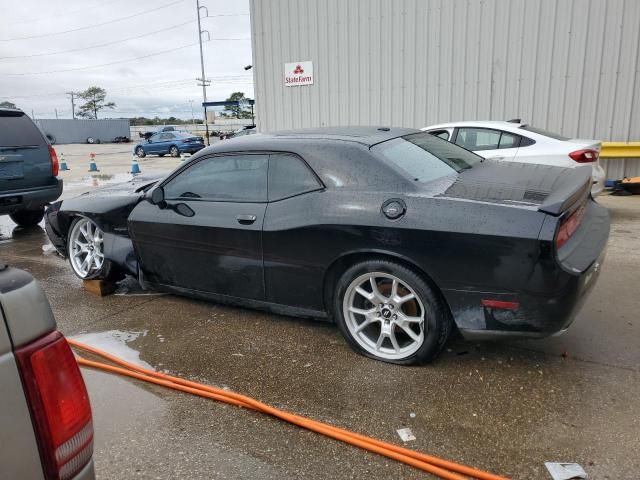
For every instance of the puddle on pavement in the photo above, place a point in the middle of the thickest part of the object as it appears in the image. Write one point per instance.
(94, 181)
(115, 342)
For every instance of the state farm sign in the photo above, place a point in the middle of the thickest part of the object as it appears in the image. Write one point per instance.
(298, 73)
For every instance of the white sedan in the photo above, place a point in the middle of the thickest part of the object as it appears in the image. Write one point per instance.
(517, 142)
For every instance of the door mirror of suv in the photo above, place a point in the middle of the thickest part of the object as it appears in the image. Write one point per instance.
(157, 196)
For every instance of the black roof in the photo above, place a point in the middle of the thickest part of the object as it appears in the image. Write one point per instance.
(10, 110)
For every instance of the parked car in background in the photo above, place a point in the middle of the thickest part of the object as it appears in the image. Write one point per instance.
(46, 429)
(28, 169)
(514, 141)
(169, 143)
(393, 233)
(248, 130)
(150, 133)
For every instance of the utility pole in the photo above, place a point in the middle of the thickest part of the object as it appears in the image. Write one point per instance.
(203, 80)
(193, 122)
(56, 110)
(73, 105)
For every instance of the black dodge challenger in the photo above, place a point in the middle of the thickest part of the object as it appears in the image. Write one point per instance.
(394, 234)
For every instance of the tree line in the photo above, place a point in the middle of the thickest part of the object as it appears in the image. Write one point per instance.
(95, 100)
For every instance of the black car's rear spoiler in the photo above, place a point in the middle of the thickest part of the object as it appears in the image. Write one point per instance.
(571, 191)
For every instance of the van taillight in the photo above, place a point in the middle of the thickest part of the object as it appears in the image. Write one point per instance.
(568, 226)
(59, 405)
(585, 156)
(55, 165)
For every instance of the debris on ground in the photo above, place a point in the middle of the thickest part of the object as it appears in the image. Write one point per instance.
(565, 471)
(406, 435)
(49, 249)
(131, 288)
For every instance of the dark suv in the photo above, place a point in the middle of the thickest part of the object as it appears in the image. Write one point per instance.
(28, 169)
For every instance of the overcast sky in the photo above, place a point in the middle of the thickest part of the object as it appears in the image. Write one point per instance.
(160, 84)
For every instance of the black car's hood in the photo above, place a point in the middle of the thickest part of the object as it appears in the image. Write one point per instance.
(549, 188)
(133, 187)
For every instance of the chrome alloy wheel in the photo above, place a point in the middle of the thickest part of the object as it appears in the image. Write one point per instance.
(86, 248)
(384, 315)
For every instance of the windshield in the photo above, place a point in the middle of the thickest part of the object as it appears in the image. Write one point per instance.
(423, 157)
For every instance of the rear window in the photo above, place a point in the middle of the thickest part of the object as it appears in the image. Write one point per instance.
(423, 157)
(17, 130)
(539, 131)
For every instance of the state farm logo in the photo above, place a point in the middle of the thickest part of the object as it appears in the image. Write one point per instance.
(298, 74)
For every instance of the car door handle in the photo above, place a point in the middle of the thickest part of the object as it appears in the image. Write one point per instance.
(246, 219)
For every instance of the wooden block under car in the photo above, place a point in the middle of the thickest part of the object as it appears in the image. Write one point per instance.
(99, 287)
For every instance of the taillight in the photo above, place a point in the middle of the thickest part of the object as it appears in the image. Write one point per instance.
(59, 405)
(55, 165)
(585, 156)
(568, 226)
(186, 140)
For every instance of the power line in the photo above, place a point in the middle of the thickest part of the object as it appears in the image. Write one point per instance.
(86, 27)
(101, 44)
(87, 67)
(64, 14)
(124, 18)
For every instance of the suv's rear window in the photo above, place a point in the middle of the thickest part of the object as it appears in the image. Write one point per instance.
(17, 130)
(539, 131)
(423, 157)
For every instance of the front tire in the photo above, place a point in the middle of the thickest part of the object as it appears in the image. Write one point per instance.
(27, 218)
(140, 152)
(85, 246)
(388, 312)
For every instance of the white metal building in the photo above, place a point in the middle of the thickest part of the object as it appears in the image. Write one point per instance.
(570, 66)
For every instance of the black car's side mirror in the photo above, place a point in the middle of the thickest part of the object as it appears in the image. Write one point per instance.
(184, 210)
(157, 196)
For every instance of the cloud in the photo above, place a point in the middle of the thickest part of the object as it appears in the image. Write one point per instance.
(163, 82)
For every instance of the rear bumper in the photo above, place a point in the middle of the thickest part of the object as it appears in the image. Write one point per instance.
(598, 180)
(87, 472)
(186, 148)
(536, 316)
(11, 201)
(557, 286)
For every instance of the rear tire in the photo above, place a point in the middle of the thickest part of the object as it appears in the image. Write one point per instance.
(174, 151)
(402, 321)
(28, 218)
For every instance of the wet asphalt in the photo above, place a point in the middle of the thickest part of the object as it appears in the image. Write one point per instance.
(504, 407)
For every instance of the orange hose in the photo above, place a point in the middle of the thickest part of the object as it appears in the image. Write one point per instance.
(418, 460)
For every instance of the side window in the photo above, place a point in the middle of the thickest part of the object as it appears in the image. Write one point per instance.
(509, 140)
(443, 134)
(526, 142)
(288, 176)
(478, 138)
(155, 137)
(228, 178)
(167, 136)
